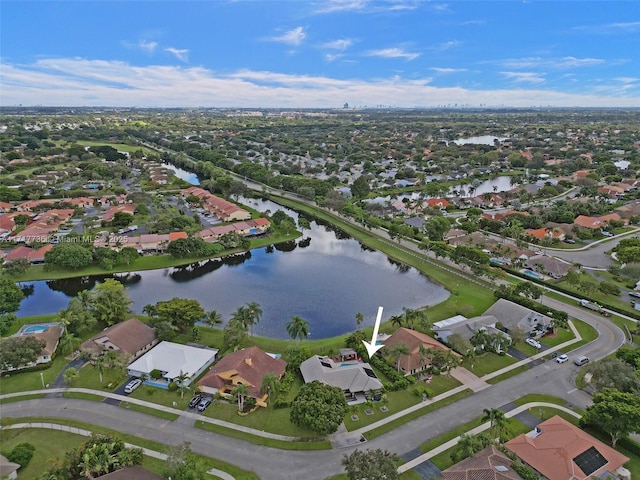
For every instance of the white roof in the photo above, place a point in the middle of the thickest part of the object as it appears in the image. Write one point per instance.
(174, 358)
(447, 322)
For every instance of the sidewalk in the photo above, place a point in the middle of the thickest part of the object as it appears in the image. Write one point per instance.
(86, 433)
(452, 443)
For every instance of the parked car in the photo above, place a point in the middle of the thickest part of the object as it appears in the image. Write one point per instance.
(634, 294)
(204, 403)
(570, 241)
(534, 343)
(132, 385)
(195, 401)
(607, 234)
(562, 358)
(581, 360)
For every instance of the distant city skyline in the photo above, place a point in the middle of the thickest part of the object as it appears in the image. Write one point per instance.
(320, 54)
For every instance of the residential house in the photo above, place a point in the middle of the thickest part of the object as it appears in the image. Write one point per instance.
(6, 207)
(414, 362)
(124, 208)
(44, 225)
(488, 464)
(437, 203)
(131, 339)
(503, 316)
(628, 210)
(542, 233)
(243, 367)
(596, 222)
(173, 360)
(135, 472)
(222, 209)
(51, 336)
(355, 378)
(8, 470)
(257, 226)
(559, 450)
(31, 254)
(552, 266)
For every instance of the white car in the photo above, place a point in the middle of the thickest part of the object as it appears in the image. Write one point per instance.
(534, 343)
(562, 358)
(132, 385)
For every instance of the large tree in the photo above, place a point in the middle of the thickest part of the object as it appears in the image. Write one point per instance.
(18, 351)
(10, 296)
(614, 373)
(371, 465)
(319, 407)
(614, 412)
(182, 313)
(110, 302)
(68, 255)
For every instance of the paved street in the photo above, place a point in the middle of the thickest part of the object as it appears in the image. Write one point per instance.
(548, 377)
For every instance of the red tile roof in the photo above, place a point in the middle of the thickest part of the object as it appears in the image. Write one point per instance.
(413, 340)
(248, 366)
(553, 450)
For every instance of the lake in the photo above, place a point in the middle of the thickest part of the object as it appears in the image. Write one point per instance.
(326, 278)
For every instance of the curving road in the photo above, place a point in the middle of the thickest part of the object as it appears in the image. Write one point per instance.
(273, 464)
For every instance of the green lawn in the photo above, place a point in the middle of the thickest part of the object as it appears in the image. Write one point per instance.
(49, 444)
(22, 382)
(376, 432)
(237, 472)
(511, 373)
(274, 420)
(559, 337)
(161, 397)
(268, 442)
(487, 363)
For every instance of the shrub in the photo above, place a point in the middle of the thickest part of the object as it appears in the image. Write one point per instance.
(173, 386)
(22, 454)
(155, 374)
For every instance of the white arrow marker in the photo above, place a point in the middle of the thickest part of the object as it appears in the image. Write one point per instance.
(372, 347)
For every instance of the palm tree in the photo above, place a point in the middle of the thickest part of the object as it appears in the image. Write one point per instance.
(240, 392)
(270, 385)
(496, 418)
(255, 312)
(397, 320)
(467, 446)
(85, 298)
(68, 344)
(297, 328)
(214, 318)
(70, 375)
(397, 351)
(425, 354)
(180, 379)
(100, 364)
(359, 318)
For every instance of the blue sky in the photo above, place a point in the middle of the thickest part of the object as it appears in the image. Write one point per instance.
(297, 54)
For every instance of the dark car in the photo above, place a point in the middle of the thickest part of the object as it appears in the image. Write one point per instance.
(204, 403)
(195, 401)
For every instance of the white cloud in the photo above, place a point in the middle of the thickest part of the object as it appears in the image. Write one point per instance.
(145, 46)
(556, 63)
(448, 70)
(341, 44)
(610, 28)
(365, 6)
(332, 6)
(526, 77)
(332, 57)
(393, 53)
(292, 37)
(180, 54)
(78, 81)
(447, 45)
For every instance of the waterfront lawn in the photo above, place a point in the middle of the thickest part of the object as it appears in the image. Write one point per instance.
(24, 382)
(488, 362)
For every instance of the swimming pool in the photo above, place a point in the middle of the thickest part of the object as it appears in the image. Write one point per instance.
(29, 329)
(531, 274)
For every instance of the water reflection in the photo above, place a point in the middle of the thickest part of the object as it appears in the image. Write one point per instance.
(326, 278)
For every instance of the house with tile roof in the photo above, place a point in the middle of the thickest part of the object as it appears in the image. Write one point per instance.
(247, 367)
(131, 339)
(413, 363)
(488, 464)
(136, 472)
(559, 450)
(51, 336)
(34, 255)
(355, 378)
(123, 208)
(597, 222)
